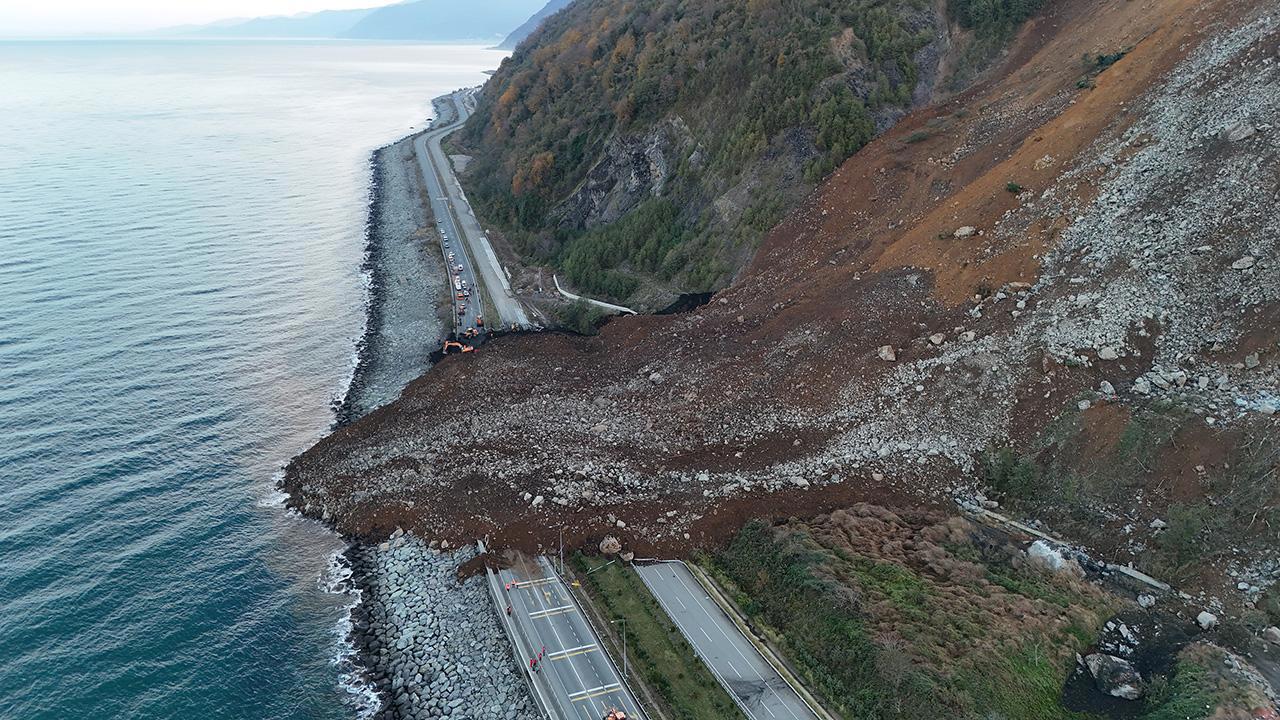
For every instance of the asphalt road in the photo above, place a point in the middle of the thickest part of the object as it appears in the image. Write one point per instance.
(459, 224)
(759, 689)
(575, 675)
(466, 309)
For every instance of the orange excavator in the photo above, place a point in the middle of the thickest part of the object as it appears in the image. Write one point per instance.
(458, 346)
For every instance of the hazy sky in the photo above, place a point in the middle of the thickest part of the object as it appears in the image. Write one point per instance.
(73, 17)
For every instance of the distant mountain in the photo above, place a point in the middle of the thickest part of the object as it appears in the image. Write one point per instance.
(327, 23)
(444, 20)
(551, 8)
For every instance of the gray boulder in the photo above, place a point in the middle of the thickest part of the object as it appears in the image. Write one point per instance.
(1114, 676)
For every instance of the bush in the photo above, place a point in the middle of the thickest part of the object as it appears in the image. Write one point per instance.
(1010, 475)
(580, 316)
(1013, 187)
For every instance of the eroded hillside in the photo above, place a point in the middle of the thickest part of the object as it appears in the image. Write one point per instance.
(1057, 292)
(644, 147)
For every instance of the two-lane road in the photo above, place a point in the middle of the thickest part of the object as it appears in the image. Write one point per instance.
(462, 275)
(466, 237)
(757, 687)
(574, 673)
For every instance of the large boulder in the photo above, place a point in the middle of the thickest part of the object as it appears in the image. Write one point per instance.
(1042, 555)
(610, 545)
(1114, 676)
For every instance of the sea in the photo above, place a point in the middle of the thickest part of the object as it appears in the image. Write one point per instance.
(181, 240)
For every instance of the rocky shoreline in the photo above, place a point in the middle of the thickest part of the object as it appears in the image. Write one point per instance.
(406, 280)
(432, 645)
(429, 645)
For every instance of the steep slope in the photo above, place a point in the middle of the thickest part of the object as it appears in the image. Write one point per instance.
(646, 146)
(1059, 290)
(444, 20)
(525, 30)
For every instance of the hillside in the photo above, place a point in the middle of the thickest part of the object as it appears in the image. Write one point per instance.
(443, 20)
(329, 23)
(634, 144)
(1057, 292)
(526, 29)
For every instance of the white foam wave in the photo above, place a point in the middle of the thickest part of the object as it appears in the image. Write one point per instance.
(361, 696)
(271, 496)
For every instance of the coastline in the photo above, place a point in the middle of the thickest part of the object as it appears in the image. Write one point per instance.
(417, 643)
(405, 281)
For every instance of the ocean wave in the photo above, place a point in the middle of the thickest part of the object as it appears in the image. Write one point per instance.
(360, 694)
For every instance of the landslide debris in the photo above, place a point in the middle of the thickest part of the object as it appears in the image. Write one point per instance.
(1108, 288)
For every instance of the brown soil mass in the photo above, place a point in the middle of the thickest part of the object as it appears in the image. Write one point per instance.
(772, 400)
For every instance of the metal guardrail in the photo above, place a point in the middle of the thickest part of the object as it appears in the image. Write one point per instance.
(508, 625)
(587, 616)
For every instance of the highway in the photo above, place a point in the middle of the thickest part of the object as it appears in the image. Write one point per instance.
(575, 677)
(757, 687)
(466, 239)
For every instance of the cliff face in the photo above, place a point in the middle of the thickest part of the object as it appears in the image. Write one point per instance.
(728, 111)
(1058, 291)
(632, 169)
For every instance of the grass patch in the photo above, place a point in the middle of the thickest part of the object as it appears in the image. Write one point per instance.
(657, 650)
(887, 639)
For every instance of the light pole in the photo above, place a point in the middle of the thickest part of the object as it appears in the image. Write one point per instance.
(562, 551)
(623, 621)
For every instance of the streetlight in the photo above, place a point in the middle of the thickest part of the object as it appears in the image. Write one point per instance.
(624, 644)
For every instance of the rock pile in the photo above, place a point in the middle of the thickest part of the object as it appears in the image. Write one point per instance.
(433, 647)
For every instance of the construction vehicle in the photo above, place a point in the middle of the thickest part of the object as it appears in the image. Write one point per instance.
(615, 714)
(479, 321)
(458, 346)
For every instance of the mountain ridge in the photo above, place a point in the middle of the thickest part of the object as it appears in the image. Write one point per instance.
(423, 20)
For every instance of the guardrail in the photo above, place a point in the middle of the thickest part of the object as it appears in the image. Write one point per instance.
(544, 706)
(587, 616)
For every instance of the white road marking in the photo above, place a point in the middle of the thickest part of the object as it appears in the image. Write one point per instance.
(728, 639)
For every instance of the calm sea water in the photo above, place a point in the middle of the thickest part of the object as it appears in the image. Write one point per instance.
(180, 241)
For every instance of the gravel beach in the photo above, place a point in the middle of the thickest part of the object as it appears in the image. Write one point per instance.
(406, 322)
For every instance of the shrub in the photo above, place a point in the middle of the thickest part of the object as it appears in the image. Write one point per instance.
(580, 316)
(1009, 474)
